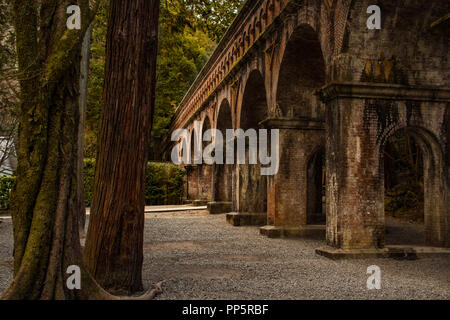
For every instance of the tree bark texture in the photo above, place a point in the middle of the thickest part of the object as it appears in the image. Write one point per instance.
(45, 220)
(114, 243)
(84, 75)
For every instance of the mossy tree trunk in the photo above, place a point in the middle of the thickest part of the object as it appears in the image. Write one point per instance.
(45, 218)
(114, 242)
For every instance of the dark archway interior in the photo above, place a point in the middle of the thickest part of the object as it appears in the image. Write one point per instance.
(252, 185)
(254, 105)
(404, 190)
(192, 171)
(224, 172)
(204, 170)
(316, 188)
(302, 72)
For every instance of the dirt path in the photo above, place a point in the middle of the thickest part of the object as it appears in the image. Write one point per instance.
(202, 257)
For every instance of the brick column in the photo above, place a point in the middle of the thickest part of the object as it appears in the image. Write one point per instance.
(360, 117)
(287, 190)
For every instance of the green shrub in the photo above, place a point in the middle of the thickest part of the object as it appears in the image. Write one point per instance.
(163, 183)
(6, 185)
(88, 180)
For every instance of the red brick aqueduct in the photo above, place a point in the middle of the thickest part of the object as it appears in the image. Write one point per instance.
(336, 91)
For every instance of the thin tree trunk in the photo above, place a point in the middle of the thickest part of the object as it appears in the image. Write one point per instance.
(114, 243)
(84, 75)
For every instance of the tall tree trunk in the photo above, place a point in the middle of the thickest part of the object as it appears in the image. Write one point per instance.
(114, 243)
(44, 202)
(84, 75)
(46, 239)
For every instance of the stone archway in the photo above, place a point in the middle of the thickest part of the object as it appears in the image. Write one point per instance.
(315, 214)
(205, 171)
(223, 180)
(223, 187)
(192, 169)
(251, 187)
(299, 115)
(435, 206)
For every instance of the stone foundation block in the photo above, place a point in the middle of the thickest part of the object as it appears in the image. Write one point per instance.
(395, 252)
(309, 231)
(246, 219)
(219, 207)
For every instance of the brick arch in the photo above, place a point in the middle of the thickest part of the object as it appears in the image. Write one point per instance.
(251, 185)
(300, 73)
(435, 179)
(223, 172)
(206, 119)
(254, 93)
(315, 163)
(224, 109)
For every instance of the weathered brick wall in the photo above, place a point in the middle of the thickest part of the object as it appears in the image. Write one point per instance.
(357, 130)
(405, 49)
(287, 203)
(205, 182)
(407, 52)
(223, 183)
(192, 182)
(252, 189)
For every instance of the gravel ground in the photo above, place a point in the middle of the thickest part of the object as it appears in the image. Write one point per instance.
(202, 257)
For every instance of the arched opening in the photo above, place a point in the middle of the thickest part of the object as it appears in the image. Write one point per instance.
(414, 189)
(299, 184)
(302, 72)
(205, 171)
(252, 185)
(316, 189)
(224, 172)
(192, 170)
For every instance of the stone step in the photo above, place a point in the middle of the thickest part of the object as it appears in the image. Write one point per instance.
(307, 231)
(246, 219)
(219, 207)
(200, 203)
(394, 251)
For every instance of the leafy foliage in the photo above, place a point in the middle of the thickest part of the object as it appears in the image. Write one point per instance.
(96, 79)
(189, 30)
(6, 186)
(211, 16)
(164, 183)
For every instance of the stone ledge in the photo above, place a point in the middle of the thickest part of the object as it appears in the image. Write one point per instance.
(308, 231)
(199, 203)
(297, 123)
(246, 219)
(395, 252)
(219, 207)
(368, 90)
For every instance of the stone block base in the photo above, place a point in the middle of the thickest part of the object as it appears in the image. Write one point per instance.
(219, 207)
(246, 219)
(199, 203)
(308, 231)
(395, 252)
